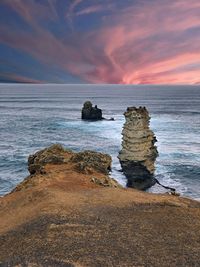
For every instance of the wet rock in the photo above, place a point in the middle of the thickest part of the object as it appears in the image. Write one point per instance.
(139, 152)
(91, 113)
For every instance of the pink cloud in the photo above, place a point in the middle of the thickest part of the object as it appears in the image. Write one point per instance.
(142, 40)
(32, 11)
(150, 42)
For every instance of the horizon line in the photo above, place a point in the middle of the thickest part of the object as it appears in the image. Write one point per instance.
(98, 84)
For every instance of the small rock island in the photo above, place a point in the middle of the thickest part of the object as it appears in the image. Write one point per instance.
(91, 113)
(139, 152)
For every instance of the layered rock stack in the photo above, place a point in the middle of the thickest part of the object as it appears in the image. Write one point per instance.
(139, 152)
(91, 113)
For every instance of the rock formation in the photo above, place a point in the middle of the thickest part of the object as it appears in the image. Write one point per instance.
(138, 153)
(91, 113)
(86, 162)
(54, 154)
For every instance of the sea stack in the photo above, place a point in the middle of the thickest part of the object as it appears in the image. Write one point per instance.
(138, 154)
(91, 113)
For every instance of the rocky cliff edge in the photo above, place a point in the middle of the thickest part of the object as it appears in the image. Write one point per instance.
(69, 212)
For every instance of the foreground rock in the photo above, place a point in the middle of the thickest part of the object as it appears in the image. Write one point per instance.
(91, 113)
(86, 162)
(68, 212)
(138, 153)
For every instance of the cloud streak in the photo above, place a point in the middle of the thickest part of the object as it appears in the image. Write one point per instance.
(90, 10)
(152, 42)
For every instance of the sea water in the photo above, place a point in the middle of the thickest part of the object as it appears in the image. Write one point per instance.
(33, 117)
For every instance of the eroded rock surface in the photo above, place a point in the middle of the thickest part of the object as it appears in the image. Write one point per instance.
(85, 162)
(88, 160)
(55, 154)
(139, 152)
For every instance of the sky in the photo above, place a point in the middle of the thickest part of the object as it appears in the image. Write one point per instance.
(100, 41)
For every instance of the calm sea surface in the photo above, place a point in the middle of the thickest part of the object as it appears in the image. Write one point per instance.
(35, 116)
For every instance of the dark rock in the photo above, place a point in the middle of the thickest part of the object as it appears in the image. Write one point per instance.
(137, 175)
(91, 113)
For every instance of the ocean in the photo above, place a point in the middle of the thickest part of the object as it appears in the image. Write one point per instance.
(33, 117)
